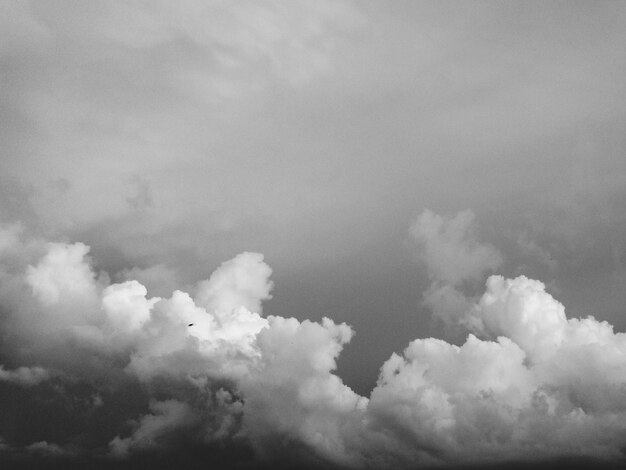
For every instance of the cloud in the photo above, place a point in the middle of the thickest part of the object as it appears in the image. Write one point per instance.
(520, 309)
(531, 249)
(293, 395)
(184, 340)
(526, 383)
(454, 258)
(126, 306)
(63, 274)
(543, 383)
(169, 136)
(449, 248)
(167, 416)
(71, 310)
(240, 282)
(286, 39)
(25, 376)
(46, 449)
(9, 237)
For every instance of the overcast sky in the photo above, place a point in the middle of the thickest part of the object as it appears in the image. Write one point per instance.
(372, 162)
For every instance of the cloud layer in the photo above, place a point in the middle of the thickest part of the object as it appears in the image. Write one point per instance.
(145, 143)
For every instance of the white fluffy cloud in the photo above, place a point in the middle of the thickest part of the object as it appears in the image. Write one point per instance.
(126, 306)
(544, 386)
(527, 383)
(240, 282)
(62, 274)
(293, 393)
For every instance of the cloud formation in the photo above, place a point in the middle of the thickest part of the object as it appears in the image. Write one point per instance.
(26, 376)
(527, 383)
(536, 384)
(454, 259)
(145, 143)
(449, 248)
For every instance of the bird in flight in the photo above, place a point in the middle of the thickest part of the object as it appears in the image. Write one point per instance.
(191, 324)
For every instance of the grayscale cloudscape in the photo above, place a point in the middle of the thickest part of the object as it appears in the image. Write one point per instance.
(296, 234)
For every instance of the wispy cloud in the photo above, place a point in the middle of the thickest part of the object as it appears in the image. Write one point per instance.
(454, 258)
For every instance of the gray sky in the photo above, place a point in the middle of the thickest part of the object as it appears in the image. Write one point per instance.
(171, 136)
(315, 133)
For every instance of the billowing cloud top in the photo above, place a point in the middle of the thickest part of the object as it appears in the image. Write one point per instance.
(527, 382)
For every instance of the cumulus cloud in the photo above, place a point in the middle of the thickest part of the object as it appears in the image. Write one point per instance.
(544, 386)
(125, 305)
(184, 340)
(528, 382)
(293, 395)
(63, 274)
(240, 282)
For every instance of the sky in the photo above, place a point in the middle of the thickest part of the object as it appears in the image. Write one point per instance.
(339, 234)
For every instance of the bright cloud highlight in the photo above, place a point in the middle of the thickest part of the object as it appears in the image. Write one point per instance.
(526, 383)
